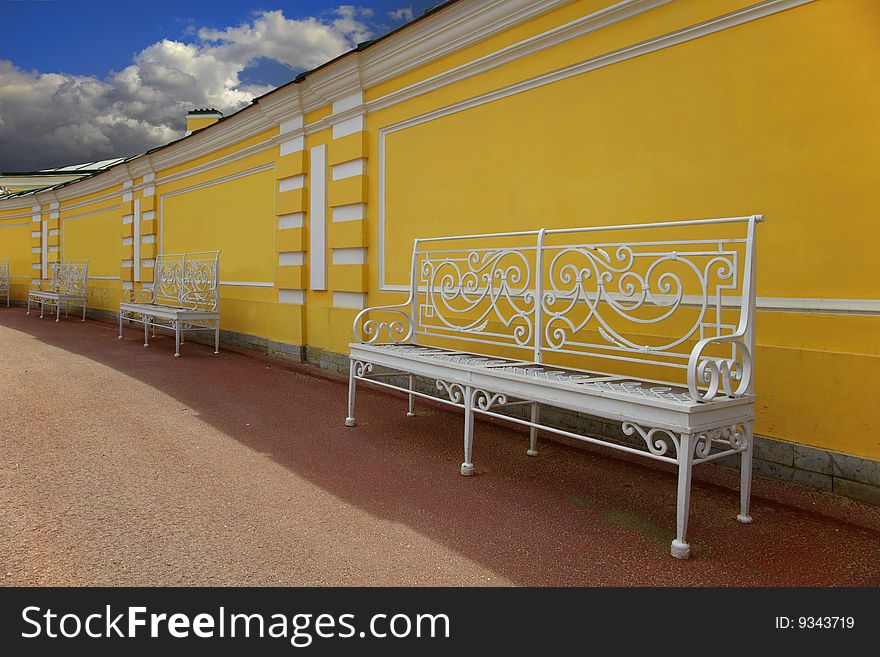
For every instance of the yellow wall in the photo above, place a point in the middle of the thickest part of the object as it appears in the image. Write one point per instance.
(776, 115)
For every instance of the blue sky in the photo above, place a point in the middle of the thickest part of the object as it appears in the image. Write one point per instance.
(84, 80)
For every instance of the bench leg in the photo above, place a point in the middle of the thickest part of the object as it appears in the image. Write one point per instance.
(467, 468)
(146, 332)
(680, 547)
(121, 320)
(745, 477)
(177, 339)
(412, 398)
(533, 431)
(41, 308)
(84, 312)
(349, 421)
(29, 306)
(58, 312)
(216, 338)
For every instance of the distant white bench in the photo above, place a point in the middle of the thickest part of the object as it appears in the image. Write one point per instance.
(650, 325)
(183, 297)
(66, 288)
(4, 280)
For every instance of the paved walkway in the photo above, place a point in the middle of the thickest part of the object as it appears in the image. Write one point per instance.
(124, 466)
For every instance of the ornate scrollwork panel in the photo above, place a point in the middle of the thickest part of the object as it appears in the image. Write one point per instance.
(657, 440)
(361, 368)
(488, 292)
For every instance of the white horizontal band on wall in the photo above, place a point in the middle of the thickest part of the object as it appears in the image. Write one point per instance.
(348, 127)
(53, 205)
(127, 285)
(291, 146)
(352, 300)
(348, 102)
(36, 265)
(149, 191)
(53, 249)
(126, 197)
(148, 263)
(35, 249)
(297, 297)
(126, 241)
(53, 215)
(350, 256)
(248, 283)
(289, 184)
(348, 169)
(291, 124)
(127, 263)
(287, 258)
(53, 232)
(294, 220)
(149, 215)
(148, 239)
(353, 212)
(35, 233)
(127, 219)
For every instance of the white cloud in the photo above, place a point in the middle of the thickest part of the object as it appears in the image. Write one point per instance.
(53, 119)
(403, 14)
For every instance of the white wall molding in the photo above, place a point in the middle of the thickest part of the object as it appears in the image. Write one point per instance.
(291, 183)
(294, 220)
(353, 212)
(352, 300)
(348, 126)
(349, 169)
(288, 258)
(296, 297)
(291, 146)
(705, 28)
(318, 218)
(137, 240)
(350, 256)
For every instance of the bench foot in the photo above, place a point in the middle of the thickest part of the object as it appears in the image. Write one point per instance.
(146, 345)
(216, 353)
(119, 337)
(680, 550)
(467, 469)
(177, 355)
(744, 519)
(410, 414)
(532, 452)
(349, 421)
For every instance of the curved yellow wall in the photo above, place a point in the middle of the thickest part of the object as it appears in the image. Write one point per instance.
(776, 115)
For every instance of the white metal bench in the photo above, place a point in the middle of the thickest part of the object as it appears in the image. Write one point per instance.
(184, 296)
(648, 325)
(67, 287)
(4, 280)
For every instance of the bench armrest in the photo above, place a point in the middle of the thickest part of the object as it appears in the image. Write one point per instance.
(399, 329)
(146, 295)
(733, 375)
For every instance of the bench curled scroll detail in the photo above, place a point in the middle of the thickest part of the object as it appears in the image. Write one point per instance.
(732, 375)
(397, 330)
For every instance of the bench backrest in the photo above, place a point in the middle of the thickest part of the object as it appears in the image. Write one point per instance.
(4, 274)
(69, 277)
(187, 280)
(642, 294)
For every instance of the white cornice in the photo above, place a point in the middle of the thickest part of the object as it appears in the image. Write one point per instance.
(454, 28)
(459, 28)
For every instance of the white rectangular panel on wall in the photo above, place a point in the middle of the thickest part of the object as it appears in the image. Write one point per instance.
(137, 239)
(318, 218)
(45, 254)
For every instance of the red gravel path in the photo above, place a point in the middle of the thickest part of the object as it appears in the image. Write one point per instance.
(124, 466)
